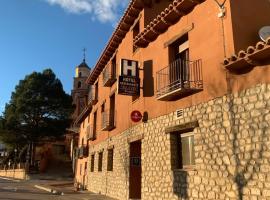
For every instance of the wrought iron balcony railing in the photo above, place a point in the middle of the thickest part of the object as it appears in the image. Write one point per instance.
(179, 79)
(108, 120)
(109, 75)
(83, 151)
(77, 152)
(90, 134)
(92, 97)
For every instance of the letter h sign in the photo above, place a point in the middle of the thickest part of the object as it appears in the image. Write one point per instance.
(129, 68)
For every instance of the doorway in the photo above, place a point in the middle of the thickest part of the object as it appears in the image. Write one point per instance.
(135, 171)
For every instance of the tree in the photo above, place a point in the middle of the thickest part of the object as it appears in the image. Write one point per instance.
(39, 108)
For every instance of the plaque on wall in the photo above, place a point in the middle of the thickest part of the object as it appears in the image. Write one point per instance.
(135, 161)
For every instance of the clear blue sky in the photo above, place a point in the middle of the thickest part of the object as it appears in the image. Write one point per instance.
(37, 34)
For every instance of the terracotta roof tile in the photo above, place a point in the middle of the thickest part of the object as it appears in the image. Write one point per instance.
(166, 18)
(252, 56)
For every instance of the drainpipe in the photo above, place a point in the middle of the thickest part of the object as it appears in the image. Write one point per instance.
(221, 15)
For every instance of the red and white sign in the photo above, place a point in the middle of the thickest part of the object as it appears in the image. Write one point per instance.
(136, 116)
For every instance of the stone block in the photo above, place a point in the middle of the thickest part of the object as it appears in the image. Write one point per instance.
(266, 193)
(211, 195)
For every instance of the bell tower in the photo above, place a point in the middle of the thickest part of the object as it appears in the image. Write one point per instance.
(80, 88)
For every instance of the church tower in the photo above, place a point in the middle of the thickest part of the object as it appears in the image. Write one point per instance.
(80, 88)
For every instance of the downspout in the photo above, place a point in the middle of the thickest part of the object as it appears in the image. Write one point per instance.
(221, 15)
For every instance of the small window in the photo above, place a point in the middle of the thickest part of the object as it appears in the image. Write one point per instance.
(100, 158)
(182, 149)
(112, 111)
(80, 74)
(96, 91)
(92, 162)
(95, 125)
(103, 108)
(187, 147)
(79, 84)
(110, 160)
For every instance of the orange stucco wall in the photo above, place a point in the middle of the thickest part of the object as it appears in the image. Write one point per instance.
(206, 41)
(247, 23)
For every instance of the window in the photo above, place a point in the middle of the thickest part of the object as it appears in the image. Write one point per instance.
(79, 84)
(110, 160)
(103, 108)
(92, 162)
(96, 91)
(112, 111)
(95, 125)
(80, 74)
(179, 61)
(182, 149)
(109, 73)
(182, 76)
(100, 158)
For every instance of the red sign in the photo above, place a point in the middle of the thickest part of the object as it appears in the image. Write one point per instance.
(136, 116)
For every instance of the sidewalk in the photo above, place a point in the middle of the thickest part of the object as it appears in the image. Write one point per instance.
(63, 189)
(66, 190)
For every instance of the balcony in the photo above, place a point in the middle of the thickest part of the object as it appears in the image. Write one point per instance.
(181, 78)
(108, 120)
(90, 134)
(76, 152)
(109, 75)
(83, 151)
(92, 98)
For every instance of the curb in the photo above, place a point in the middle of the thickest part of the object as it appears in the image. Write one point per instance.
(49, 190)
(10, 179)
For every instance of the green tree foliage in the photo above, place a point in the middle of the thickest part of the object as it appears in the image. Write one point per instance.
(39, 108)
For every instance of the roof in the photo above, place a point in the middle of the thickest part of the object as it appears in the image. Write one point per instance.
(83, 65)
(252, 56)
(127, 20)
(83, 114)
(168, 17)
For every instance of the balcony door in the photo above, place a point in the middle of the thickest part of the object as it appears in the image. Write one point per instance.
(179, 63)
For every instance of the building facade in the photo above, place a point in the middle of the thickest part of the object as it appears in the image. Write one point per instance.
(204, 101)
(79, 96)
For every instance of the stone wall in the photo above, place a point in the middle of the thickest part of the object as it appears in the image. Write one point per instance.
(14, 173)
(113, 183)
(232, 153)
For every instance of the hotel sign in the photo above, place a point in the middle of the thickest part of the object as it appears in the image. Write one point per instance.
(129, 81)
(136, 116)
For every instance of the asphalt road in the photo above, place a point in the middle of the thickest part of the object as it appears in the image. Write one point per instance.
(25, 190)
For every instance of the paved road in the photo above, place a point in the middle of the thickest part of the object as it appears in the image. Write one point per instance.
(25, 190)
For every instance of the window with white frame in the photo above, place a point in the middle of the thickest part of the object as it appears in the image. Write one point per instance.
(182, 150)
